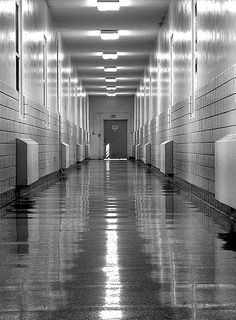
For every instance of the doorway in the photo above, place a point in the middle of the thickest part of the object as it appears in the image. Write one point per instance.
(115, 139)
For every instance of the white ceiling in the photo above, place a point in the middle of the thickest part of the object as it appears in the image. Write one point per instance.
(79, 22)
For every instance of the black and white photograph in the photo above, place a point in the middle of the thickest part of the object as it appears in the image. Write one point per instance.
(117, 159)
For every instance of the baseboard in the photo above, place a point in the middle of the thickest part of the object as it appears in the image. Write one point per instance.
(7, 197)
(201, 194)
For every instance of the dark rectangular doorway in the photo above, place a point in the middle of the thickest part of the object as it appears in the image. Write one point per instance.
(115, 139)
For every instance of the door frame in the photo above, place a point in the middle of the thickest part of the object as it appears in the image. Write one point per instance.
(127, 153)
(119, 116)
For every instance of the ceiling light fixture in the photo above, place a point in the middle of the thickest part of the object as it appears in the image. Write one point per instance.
(111, 94)
(110, 69)
(111, 88)
(110, 80)
(109, 34)
(110, 56)
(106, 5)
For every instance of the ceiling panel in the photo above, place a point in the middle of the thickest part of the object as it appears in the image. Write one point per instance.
(80, 22)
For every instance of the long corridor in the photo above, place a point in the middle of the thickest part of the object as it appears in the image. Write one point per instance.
(112, 240)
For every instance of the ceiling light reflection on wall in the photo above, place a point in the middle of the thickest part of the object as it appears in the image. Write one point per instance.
(110, 56)
(110, 69)
(74, 80)
(140, 94)
(110, 80)
(82, 94)
(66, 70)
(105, 5)
(109, 34)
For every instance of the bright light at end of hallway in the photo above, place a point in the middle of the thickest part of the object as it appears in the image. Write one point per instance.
(108, 150)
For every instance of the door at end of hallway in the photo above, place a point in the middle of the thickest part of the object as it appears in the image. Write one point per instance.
(115, 139)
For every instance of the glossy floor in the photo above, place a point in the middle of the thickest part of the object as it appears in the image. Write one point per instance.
(112, 240)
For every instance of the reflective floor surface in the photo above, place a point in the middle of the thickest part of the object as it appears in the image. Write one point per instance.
(111, 240)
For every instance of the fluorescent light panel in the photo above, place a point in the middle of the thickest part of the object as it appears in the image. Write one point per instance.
(110, 80)
(109, 34)
(111, 88)
(111, 94)
(110, 69)
(104, 5)
(110, 56)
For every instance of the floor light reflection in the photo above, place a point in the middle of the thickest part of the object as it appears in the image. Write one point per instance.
(112, 304)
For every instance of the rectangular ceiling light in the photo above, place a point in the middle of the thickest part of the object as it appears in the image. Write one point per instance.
(111, 94)
(110, 80)
(111, 88)
(110, 56)
(106, 5)
(109, 34)
(110, 69)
